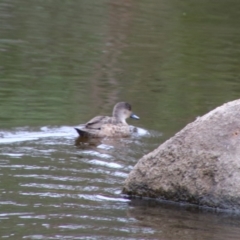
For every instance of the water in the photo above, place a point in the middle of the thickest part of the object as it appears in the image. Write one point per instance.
(60, 65)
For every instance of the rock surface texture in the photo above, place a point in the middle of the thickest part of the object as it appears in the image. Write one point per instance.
(199, 165)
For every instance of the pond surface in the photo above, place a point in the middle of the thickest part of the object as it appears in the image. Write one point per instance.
(63, 62)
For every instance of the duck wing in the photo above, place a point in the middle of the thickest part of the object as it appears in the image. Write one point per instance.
(97, 122)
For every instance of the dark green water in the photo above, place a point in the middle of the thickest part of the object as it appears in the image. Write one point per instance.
(61, 63)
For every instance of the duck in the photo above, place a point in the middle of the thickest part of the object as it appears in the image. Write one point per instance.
(106, 126)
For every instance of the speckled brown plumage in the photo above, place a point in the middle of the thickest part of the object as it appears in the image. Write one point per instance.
(105, 126)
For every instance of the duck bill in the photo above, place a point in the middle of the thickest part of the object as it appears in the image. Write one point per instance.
(134, 116)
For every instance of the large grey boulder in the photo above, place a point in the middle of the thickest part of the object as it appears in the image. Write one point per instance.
(200, 164)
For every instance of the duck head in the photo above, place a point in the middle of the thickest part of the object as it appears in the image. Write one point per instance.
(122, 111)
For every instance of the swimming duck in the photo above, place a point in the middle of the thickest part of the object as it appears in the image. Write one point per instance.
(104, 126)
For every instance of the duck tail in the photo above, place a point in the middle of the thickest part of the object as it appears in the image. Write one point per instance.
(81, 132)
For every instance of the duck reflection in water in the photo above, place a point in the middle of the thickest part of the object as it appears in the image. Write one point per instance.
(105, 126)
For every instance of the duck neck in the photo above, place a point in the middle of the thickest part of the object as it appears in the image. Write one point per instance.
(118, 119)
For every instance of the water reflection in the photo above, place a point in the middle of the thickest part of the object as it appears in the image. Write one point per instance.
(173, 221)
